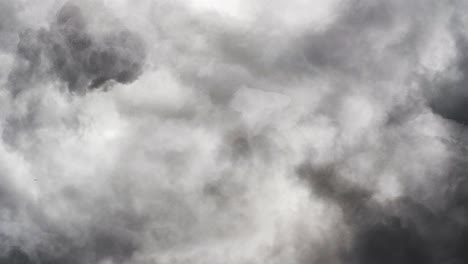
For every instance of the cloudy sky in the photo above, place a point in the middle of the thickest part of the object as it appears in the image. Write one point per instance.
(234, 132)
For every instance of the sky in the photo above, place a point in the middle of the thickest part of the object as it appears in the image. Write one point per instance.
(234, 132)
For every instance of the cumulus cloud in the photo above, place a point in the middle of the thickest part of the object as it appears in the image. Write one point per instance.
(233, 131)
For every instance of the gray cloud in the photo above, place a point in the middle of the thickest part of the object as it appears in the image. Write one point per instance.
(450, 96)
(75, 55)
(240, 133)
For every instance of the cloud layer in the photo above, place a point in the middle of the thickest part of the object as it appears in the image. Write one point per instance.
(233, 132)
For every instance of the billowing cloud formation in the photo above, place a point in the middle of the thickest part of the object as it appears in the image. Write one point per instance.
(234, 132)
(75, 55)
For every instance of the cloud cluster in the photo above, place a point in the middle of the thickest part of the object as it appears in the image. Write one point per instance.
(237, 131)
(76, 56)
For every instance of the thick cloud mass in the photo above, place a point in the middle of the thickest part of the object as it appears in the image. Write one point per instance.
(237, 131)
(75, 55)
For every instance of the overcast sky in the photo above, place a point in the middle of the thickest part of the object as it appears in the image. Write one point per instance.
(234, 132)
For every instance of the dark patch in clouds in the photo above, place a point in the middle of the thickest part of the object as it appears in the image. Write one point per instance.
(401, 230)
(80, 58)
(451, 97)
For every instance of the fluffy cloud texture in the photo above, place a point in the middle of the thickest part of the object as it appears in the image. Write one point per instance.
(171, 132)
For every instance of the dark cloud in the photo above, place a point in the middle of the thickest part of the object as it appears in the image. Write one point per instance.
(400, 230)
(16, 256)
(451, 95)
(448, 95)
(78, 57)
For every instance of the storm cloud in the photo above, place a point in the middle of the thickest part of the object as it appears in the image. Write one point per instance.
(69, 51)
(233, 131)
